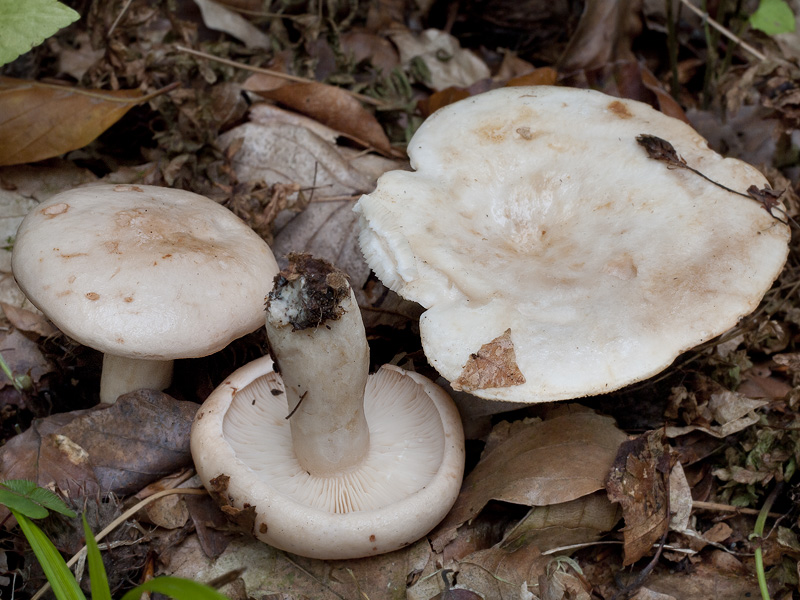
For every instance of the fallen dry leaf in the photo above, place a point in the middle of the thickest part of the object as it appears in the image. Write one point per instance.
(41, 120)
(331, 106)
(271, 571)
(115, 448)
(540, 76)
(537, 464)
(287, 153)
(38, 454)
(502, 573)
(220, 18)
(711, 408)
(578, 521)
(603, 36)
(27, 320)
(22, 356)
(493, 365)
(449, 64)
(639, 481)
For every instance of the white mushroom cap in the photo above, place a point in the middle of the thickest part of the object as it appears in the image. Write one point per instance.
(142, 271)
(555, 258)
(242, 448)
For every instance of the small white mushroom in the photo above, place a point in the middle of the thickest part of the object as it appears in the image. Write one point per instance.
(554, 257)
(144, 274)
(322, 460)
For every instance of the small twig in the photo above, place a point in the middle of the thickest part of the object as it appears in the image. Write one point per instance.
(662, 150)
(296, 406)
(119, 520)
(716, 507)
(724, 30)
(295, 78)
(119, 17)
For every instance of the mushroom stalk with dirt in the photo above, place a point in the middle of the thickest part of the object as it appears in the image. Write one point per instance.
(317, 338)
(311, 453)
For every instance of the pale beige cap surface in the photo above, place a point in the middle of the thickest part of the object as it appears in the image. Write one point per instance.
(555, 258)
(142, 271)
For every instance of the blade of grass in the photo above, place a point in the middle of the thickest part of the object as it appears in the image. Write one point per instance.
(53, 564)
(175, 587)
(97, 571)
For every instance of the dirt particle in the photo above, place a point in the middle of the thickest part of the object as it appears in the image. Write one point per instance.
(262, 529)
(128, 299)
(55, 210)
(372, 538)
(525, 133)
(219, 484)
(619, 109)
(167, 256)
(93, 296)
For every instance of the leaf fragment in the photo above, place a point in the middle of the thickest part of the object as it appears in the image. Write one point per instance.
(41, 120)
(639, 481)
(331, 106)
(494, 365)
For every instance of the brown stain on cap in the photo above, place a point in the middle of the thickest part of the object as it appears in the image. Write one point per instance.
(620, 109)
(55, 210)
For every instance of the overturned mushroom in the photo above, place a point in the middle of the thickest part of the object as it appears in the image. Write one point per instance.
(555, 257)
(144, 274)
(322, 460)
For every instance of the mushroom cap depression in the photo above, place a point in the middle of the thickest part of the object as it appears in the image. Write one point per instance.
(242, 449)
(554, 257)
(143, 271)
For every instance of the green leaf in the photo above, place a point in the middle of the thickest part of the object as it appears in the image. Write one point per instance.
(27, 23)
(97, 570)
(773, 17)
(29, 499)
(53, 564)
(176, 587)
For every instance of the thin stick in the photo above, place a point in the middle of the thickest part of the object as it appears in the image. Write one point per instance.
(119, 520)
(724, 30)
(713, 506)
(295, 78)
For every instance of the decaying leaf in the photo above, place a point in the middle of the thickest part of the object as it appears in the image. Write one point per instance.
(118, 448)
(219, 18)
(271, 571)
(447, 62)
(494, 365)
(639, 481)
(578, 521)
(27, 320)
(711, 408)
(331, 106)
(41, 120)
(537, 464)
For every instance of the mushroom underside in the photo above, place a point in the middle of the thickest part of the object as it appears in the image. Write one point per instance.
(402, 489)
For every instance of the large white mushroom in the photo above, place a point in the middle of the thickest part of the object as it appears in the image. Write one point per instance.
(555, 257)
(144, 274)
(323, 460)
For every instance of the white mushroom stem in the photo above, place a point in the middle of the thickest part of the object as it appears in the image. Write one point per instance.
(122, 375)
(324, 365)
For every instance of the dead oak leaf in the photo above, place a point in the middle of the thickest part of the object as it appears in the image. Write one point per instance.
(494, 365)
(639, 481)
